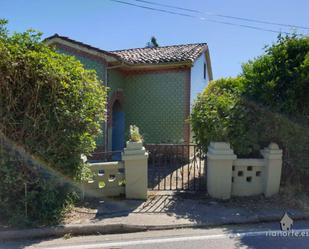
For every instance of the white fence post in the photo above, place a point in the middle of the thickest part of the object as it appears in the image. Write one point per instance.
(136, 170)
(273, 165)
(219, 170)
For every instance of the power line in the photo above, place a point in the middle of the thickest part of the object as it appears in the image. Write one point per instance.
(224, 16)
(170, 6)
(155, 9)
(200, 18)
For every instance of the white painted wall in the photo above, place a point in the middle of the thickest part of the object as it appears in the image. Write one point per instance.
(198, 83)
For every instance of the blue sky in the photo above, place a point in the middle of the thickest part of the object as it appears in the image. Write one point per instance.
(111, 26)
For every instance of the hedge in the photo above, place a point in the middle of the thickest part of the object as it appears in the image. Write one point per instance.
(267, 102)
(52, 107)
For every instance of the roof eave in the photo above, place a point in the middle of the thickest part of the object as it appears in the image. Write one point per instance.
(205, 51)
(134, 66)
(107, 56)
(209, 67)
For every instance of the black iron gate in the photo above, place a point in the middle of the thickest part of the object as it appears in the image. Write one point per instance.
(176, 167)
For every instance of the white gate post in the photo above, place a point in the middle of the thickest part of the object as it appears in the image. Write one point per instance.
(219, 170)
(273, 164)
(136, 170)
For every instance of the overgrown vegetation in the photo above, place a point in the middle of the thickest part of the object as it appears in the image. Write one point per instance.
(268, 102)
(51, 107)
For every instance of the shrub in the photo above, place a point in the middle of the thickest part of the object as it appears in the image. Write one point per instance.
(28, 194)
(279, 79)
(52, 107)
(212, 111)
(262, 106)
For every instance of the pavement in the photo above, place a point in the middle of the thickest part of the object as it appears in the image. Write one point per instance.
(161, 212)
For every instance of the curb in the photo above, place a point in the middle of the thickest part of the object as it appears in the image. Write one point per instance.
(101, 229)
(59, 231)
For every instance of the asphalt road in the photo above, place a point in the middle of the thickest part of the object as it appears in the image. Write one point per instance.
(255, 236)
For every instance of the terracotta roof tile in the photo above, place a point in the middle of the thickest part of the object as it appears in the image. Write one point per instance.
(166, 54)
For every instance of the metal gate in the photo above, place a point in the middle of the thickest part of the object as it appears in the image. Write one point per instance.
(175, 167)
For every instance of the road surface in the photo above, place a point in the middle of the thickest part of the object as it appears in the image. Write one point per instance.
(255, 236)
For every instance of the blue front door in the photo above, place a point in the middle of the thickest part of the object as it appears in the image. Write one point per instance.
(118, 133)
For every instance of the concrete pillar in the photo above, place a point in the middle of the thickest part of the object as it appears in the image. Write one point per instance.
(136, 170)
(219, 170)
(273, 165)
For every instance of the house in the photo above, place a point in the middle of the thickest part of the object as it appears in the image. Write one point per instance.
(153, 88)
(286, 222)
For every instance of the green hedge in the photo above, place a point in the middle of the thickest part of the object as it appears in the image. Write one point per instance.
(50, 106)
(279, 79)
(267, 102)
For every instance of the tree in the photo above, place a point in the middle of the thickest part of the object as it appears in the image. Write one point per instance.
(153, 43)
(279, 79)
(52, 107)
(268, 102)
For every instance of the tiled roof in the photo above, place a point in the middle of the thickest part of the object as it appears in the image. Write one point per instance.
(166, 54)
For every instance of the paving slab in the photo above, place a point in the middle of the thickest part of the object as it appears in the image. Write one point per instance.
(162, 212)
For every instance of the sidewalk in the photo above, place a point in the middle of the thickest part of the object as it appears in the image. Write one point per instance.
(163, 212)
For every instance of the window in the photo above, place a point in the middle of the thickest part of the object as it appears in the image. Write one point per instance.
(205, 71)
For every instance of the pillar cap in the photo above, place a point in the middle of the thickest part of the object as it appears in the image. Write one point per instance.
(273, 146)
(272, 151)
(134, 154)
(220, 150)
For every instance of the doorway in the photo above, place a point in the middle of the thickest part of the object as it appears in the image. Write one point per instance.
(118, 128)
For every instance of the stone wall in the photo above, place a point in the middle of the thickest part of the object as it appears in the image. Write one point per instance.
(108, 179)
(247, 177)
(127, 177)
(229, 176)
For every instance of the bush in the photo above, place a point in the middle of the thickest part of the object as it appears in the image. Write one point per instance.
(52, 107)
(279, 79)
(30, 196)
(267, 103)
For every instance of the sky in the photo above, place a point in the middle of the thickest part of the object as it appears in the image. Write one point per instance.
(110, 25)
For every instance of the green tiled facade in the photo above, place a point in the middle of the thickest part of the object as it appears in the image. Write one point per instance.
(154, 101)
(115, 80)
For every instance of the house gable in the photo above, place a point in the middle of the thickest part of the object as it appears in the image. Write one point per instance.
(157, 86)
